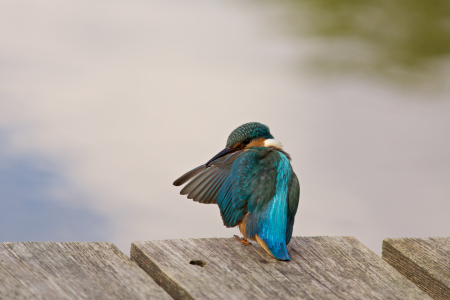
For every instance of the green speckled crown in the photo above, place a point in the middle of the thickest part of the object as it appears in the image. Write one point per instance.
(249, 130)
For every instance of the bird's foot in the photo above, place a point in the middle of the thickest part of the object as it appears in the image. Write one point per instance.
(242, 240)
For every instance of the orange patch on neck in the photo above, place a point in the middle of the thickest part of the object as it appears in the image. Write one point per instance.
(256, 143)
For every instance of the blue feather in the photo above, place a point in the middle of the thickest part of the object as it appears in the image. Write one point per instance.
(273, 222)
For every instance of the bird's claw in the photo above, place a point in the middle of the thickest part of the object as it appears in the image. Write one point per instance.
(242, 240)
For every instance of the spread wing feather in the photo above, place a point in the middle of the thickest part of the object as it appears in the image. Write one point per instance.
(216, 189)
(208, 191)
(195, 182)
(206, 182)
(203, 183)
(189, 175)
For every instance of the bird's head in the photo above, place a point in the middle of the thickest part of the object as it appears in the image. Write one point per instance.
(251, 134)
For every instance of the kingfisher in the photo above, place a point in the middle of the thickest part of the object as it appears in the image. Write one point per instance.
(254, 185)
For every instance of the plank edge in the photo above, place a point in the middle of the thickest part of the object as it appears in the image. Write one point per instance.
(173, 288)
(413, 272)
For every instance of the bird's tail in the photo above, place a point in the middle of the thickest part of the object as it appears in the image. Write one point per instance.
(277, 250)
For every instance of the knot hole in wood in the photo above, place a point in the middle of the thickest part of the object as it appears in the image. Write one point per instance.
(200, 263)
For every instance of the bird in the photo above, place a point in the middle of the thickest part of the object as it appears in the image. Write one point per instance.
(254, 185)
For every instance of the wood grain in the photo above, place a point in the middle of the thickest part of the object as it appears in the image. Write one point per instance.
(321, 268)
(426, 262)
(50, 270)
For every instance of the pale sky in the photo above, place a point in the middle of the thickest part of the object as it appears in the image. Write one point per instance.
(104, 104)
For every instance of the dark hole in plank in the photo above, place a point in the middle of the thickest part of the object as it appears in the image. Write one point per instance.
(200, 263)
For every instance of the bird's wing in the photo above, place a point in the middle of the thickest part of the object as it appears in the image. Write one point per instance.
(205, 187)
(189, 175)
(293, 198)
(249, 187)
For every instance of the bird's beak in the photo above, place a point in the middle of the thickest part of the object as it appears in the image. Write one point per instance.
(220, 154)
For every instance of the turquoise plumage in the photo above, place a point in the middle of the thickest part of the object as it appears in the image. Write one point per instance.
(253, 183)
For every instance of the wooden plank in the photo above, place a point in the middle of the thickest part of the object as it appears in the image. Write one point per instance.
(50, 270)
(426, 262)
(288, 275)
(321, 268)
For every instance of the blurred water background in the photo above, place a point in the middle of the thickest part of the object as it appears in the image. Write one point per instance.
(104, 103)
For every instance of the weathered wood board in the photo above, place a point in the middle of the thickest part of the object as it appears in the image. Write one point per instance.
(50, 270)
(426, 262)
(321, 268)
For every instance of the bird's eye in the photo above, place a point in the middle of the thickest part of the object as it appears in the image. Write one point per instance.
(246, 142)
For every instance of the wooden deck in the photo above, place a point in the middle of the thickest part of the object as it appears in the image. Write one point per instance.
(426, 262)
(48, 270)
(321, 268)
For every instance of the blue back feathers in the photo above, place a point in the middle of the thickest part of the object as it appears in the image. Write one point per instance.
(273, 221)
(259, 185)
